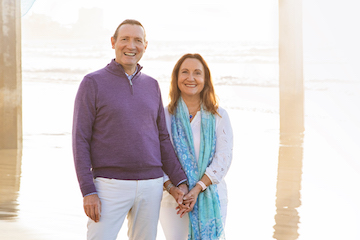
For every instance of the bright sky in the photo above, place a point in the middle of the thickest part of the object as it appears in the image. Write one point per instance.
(254, 20)
(325, 22)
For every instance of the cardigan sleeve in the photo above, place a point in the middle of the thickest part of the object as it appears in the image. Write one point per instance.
(223, 149)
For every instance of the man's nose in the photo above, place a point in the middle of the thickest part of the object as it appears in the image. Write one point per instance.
(131, 44)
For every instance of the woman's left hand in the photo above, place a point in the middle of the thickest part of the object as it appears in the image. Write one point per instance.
(189, 200)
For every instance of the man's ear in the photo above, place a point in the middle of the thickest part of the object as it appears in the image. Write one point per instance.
(113, 42)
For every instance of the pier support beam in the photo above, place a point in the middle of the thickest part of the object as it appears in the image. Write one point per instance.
(10, 75)
(291, 91)
(10, 175)
(291, 81)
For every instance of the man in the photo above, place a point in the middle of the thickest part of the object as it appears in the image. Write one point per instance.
(120, 143)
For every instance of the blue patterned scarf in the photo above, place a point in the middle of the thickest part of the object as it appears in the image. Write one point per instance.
(205, 219)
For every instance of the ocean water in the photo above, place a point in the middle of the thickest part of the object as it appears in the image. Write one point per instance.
(306, 189)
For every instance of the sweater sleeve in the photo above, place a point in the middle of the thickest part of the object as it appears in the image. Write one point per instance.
(171, 165)
(83, 119)
(223, 149)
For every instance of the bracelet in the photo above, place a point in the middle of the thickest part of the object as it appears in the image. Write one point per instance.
(202, 185)
(169, 186)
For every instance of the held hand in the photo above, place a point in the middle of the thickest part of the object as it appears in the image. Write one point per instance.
(183, 209)
(184, 188)
(192, 196)
(178, 194)
(92, 207)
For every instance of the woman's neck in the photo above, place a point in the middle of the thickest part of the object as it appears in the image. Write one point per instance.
(192, 103)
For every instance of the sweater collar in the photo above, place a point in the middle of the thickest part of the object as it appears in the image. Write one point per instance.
(117, 69)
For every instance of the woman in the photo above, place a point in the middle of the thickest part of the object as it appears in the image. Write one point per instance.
(202, 137)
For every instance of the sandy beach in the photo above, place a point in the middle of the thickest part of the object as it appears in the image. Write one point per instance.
(306, 190)
(49, 205)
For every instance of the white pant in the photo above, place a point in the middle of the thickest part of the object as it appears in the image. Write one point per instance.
(139, 200)
(174, 227)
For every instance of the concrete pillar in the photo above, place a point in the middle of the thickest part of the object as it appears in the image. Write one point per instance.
(291, 67)
(288, 188)
(291, 85)
(10, 172)
(10, 75)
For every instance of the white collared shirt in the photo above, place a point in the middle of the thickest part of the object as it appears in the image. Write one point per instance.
(130, 77)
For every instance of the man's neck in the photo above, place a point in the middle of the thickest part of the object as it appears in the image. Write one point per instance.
(130, 70)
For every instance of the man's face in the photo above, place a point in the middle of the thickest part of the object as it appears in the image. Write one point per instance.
(129, 46)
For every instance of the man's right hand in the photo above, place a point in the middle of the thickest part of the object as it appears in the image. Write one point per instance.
(178, 194)
(92, 207)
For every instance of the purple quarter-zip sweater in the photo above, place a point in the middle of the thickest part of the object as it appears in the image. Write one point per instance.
(119, 129)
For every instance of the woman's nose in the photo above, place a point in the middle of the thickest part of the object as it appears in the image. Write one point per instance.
(191, 77)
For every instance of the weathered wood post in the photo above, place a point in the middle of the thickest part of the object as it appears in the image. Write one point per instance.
(10, 75)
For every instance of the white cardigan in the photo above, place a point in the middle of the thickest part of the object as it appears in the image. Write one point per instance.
(223, 149)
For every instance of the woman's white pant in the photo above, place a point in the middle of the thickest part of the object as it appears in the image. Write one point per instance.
(138, 200)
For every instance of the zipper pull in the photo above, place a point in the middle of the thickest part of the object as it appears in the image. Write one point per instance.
(131, 87)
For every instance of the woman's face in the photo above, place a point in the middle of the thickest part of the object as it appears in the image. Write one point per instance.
(191, 78)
